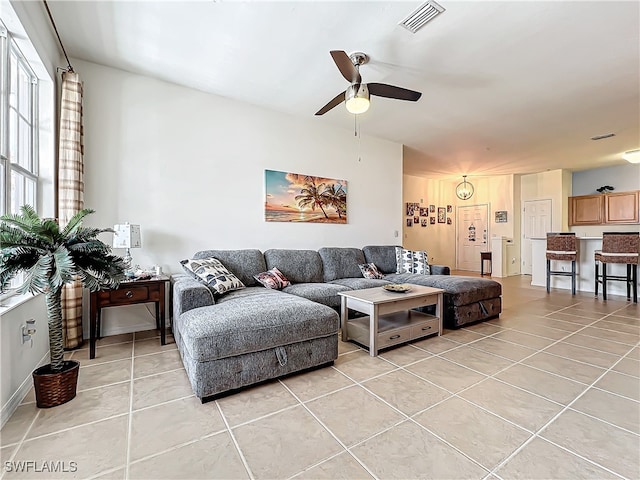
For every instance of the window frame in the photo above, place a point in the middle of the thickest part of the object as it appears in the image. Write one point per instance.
(27, 171)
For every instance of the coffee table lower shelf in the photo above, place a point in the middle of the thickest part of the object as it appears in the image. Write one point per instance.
(394, 328)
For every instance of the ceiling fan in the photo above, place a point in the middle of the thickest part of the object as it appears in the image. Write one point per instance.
(357, 95)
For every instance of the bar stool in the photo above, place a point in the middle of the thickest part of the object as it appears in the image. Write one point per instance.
(564, 247)
(485, 256)
(621, 248)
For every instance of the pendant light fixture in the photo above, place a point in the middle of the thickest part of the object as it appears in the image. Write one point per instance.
(464, 190)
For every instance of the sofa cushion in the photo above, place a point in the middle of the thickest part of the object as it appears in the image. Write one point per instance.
(272, 278)
(384, 256)
(212, 273)
(299, 266)
(325, 293)
(410, 261)
(360, 283)
(253, 323)
(369, 270)
(341, 262)
(244, 263)
(245, 292)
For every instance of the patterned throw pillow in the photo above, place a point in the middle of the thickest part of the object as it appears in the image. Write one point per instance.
(409, 261)
(273, 279)
(369, 270)
(212, 273)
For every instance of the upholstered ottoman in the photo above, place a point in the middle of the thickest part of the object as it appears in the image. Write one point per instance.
(466, 299)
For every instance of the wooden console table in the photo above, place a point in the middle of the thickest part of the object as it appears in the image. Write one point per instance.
(129, 293)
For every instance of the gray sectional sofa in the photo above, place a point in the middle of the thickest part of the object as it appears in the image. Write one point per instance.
(254, 334)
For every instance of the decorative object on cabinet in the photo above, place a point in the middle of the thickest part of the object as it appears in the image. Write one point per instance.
(605, 189)
(127, 236)
(464, 190)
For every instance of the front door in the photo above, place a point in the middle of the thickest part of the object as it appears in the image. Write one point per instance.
(472, 236)
(536, 221)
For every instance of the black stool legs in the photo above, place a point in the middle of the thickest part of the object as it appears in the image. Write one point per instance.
(631, 280)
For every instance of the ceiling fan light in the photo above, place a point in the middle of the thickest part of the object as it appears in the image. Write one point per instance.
(632, 156)
(357, 101)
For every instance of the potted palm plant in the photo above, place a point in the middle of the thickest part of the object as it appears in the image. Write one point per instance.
(51, 258)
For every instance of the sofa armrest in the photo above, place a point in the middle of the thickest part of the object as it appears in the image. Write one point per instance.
(440, 270)
(188, 293)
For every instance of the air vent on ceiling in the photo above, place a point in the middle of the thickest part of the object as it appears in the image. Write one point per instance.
(602, 137)
(421, 15)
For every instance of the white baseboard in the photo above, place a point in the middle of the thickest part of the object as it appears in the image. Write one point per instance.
(14, 402)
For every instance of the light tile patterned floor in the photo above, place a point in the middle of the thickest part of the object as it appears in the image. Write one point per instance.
(551, 389)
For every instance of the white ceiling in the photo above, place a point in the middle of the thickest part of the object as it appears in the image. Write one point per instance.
(508, 87)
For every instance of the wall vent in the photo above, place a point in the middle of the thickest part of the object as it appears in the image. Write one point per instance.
(421, 16)
(602, 137)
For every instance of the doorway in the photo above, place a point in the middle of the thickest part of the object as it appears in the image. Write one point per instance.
(472, 236)
(536, 222)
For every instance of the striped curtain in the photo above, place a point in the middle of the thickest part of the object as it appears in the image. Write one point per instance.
(71, 194)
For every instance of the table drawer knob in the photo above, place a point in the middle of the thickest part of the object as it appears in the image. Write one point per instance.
(424, 329)
(393, 337)
(129, 294)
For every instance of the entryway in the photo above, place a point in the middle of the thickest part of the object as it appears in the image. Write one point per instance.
(472, 236)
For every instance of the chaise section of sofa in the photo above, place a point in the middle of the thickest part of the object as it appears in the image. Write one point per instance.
(249, 335)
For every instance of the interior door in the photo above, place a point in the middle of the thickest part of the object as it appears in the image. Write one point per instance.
(472, 236)
(536, 222)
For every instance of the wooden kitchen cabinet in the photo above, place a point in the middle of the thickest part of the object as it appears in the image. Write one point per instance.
(620, 208)
(586, 210)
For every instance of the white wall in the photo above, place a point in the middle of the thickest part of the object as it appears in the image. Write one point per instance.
(549, 185)
(19, 359)
(622, 177)
(189, 168)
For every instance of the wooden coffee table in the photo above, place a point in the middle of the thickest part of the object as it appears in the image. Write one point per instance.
(390, 320)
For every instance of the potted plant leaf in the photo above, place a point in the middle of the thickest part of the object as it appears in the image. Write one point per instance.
(52, 257)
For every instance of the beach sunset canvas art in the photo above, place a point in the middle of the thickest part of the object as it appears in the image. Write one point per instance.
(294, 197)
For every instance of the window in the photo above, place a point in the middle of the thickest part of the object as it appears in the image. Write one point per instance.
(18, 118)
(19, 128)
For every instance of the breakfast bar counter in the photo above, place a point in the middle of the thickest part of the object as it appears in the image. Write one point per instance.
(585, 281)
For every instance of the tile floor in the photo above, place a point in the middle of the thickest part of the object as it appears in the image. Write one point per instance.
(549, 390)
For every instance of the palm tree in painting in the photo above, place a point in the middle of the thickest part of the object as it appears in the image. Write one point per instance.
(336, 197)
(311, 196)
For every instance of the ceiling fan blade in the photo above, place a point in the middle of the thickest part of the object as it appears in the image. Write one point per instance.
(345, 65)
(390, 91)
(333, 103)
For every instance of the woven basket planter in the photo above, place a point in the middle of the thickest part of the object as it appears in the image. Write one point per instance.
(53, 389)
